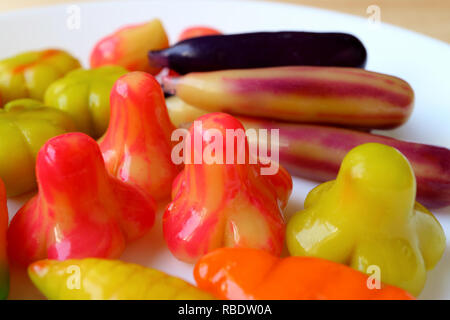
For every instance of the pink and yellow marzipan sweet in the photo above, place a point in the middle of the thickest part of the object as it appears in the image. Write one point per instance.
(80, 210)
(224, 205)
(339, 96)
(316, 152)
(137, 145)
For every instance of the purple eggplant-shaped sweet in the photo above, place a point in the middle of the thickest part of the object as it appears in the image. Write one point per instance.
(260, 50)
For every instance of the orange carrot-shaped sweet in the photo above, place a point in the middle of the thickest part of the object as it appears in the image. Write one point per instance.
(245, 273)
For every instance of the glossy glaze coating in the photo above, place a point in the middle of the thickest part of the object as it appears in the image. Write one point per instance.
(4, 268)
(128, 46)
(102, 279)
(338, 96)
(368, 217)
(84, 94)
(137, 145)
(27, 75)
(261, 50)
(316, 152)
(25, 125)
(224, 205)
(80, 211)
(244, 273)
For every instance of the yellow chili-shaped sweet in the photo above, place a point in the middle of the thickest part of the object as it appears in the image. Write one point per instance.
(27, 75)
(84, 94)
(367, 218)
(102, 279)
(25, 125)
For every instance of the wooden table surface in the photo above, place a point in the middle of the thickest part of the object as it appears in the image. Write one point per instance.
(430, 17)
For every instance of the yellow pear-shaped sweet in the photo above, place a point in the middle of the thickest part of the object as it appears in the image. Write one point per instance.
(368, 219)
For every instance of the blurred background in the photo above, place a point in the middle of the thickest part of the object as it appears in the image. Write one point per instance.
(430, 17)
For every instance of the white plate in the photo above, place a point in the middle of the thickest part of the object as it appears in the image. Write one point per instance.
(420, 60)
